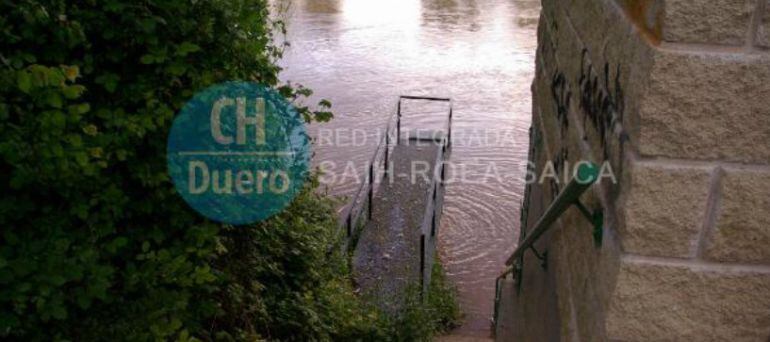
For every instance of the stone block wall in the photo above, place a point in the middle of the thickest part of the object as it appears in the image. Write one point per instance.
(674, 95)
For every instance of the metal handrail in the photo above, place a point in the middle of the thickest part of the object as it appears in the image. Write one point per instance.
(429, 98)
(353, 213)
(430, 207)
(587, 175)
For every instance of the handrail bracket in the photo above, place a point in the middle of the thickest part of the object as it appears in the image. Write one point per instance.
(596, 218)
(542, 257)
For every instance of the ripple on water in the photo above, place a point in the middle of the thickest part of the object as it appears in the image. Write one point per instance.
(362, 55)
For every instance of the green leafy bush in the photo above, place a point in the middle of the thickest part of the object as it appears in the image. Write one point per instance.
(95, 243)
(422, 320)
(288, 278)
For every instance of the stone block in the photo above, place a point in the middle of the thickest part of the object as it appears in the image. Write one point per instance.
(669, 302)
(742, 227)
(664, 210)
(707, 106)
(723, 22)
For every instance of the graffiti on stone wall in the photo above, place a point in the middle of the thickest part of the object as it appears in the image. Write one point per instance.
(602, 106)
(561, 97)
(601, 101)
(561, 158)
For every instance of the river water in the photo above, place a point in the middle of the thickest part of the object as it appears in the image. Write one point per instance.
(362, 54)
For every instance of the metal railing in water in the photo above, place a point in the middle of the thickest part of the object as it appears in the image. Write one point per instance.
(586, 175)
(435, 199)
(359, 204)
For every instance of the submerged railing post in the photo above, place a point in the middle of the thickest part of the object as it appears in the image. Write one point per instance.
(433, 224)
(498, 290)
(449, 127)
(422, 264)
(387, 149)
(371, 189)
(398, 122)
(350, 224)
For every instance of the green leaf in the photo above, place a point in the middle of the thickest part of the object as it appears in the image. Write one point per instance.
(323, 116)
(73, 91)
(186, 48)
(54, 100)
(96, 152)
(23, 81)
(121, 154)
(177, 69)
(90, 129)
(81, 108)
(147, 59)
(81, 158)
(75, 140)
(56, 119)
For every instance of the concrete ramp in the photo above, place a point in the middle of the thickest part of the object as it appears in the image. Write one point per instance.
(391, 223)
(386, 259)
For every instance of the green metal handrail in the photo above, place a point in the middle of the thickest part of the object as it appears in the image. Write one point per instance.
(587, 175)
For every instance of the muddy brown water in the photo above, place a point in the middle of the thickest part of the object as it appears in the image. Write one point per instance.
(361, 54)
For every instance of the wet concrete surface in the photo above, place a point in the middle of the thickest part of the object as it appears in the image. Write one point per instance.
(386, 259)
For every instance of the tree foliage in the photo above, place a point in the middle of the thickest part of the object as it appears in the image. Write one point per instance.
(95, 243)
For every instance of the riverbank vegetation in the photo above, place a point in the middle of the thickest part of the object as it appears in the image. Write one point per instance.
(422, 319)
(95, 242)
